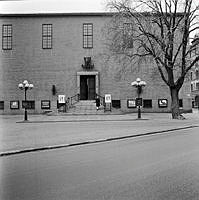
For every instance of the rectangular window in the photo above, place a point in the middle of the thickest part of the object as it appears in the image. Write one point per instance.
(191, 87)
(128, 35)
(147, 103)
(7, 37)
(197, 86)
(47, 34)
(88, 35)
(191, 76)
(180, 103)
(197, 74)
(1, 105)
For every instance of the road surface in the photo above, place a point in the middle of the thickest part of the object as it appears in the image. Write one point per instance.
(158, 167)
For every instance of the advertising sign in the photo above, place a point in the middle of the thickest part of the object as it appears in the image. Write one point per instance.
(107, 98)
(45, 104)
(28, 104)
(61, 99)
(14, 105)
(163, 103)
(138, 101)
(131, 103)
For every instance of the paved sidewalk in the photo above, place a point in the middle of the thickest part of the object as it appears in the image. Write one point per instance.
(43, 132)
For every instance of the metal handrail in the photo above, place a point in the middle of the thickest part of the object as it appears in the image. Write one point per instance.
(102, 99)
(69, 102)
(74, 99)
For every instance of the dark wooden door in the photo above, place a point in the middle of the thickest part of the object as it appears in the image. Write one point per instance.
(91, 87)
(83, 88)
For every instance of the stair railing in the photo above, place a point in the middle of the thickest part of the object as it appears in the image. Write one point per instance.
(74, 99)
(101, 98)
(69, 102)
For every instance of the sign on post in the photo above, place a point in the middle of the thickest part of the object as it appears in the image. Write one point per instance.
(138, 101)
(107, 98)
(61, 99)
(107, 102)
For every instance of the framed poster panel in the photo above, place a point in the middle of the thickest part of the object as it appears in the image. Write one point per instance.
(131, 103)
(162, 103)
(14, 104)
(28, 104)
(45, 104)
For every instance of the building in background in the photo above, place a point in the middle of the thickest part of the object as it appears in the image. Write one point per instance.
(66, 54)
(194, 74)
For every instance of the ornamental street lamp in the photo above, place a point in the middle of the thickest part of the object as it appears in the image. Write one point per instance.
(139, 85)
(25, 86)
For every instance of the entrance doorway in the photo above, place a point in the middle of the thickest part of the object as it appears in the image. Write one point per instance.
(87, 87)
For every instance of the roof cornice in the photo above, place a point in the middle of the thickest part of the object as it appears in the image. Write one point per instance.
(82, 14)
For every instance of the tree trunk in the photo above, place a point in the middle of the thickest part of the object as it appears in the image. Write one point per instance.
(175, 111)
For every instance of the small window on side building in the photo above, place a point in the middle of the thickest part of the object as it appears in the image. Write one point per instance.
(1, 105)
(180, 103)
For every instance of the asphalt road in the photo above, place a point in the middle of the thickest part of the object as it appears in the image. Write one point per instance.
(158, 167)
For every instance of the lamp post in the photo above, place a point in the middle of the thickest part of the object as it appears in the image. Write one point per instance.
(139, 85)
(25, 86)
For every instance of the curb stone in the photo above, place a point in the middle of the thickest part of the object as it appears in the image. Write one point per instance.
(80, 120)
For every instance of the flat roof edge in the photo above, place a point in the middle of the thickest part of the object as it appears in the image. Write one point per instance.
(83, 14)
(56, 14)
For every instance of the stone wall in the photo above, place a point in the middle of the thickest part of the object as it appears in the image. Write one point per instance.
(60, 65)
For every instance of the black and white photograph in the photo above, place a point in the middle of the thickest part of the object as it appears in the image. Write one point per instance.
(99, 100)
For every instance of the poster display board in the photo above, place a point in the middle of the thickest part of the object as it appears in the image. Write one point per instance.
(45, 104)
(107, 102)
(107, 98)
(61, 99)
(28, 104)
(162, 103)
(131, 103)
(138, 101)
(14, 105)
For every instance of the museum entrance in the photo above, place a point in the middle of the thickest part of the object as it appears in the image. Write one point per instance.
(87, 87)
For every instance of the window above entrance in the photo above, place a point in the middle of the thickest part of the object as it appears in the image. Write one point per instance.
(87, 35)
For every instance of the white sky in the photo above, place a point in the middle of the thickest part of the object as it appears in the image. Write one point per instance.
(31, 6)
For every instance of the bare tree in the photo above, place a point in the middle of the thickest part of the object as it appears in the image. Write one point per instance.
(161, 30)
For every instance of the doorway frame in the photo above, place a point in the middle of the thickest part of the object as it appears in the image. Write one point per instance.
(93, 73)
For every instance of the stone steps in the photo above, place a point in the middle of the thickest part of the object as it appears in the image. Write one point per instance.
(85, 107)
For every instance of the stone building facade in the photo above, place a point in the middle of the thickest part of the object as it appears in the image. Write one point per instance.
(194, 74)
(66, 54)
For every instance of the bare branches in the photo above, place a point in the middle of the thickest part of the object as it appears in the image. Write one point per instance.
(160, 31)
